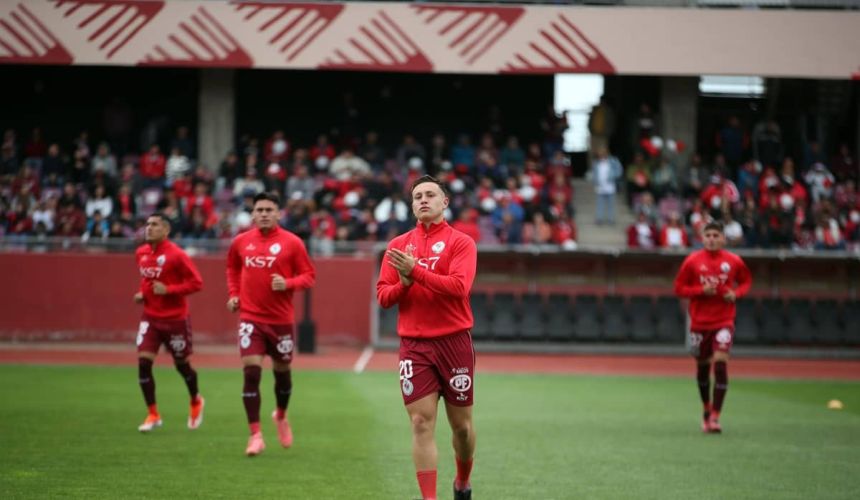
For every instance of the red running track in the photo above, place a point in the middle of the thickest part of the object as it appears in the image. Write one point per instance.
(347, 359)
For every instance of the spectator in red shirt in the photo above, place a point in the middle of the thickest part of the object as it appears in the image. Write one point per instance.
(467, 224)
(152, 167)
(673, 234)
(564, 232)
(322, 153)
(642, 234)
(276, 149)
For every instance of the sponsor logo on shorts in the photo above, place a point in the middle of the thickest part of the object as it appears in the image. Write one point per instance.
(460, 383)
(724, 336)
(285, 345)
(438, 247)
(177, 344)
(407, 387)
(275, 249)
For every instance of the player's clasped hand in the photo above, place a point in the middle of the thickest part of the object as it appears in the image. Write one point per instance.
(138, 298)
(729, 296)
(402, 261)
(233, 304)
(279, 283)
(709, 289)
(159, 288)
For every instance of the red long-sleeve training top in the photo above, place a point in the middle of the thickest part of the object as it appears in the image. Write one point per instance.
(170, 265)
(252, 260)
(725, 270)
(437, 302)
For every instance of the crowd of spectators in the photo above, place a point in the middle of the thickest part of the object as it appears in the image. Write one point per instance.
(501, 191)
(764, 197)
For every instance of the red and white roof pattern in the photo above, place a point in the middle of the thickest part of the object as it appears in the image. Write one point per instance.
(424, 37)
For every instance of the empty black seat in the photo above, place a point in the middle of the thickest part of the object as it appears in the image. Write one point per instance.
(505, 320)
(481, 312)
(616, 324)
(532, 317)
(746, 322)
(671, 323)
(773, 327)
(559, 324)
(799, 321)
(851, 318)
(642, 327)
(586, 318)
(827, 318)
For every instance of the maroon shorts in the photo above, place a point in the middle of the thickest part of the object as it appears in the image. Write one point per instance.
(703, 344)
(175, 334)
(443, 365)
(257, 339)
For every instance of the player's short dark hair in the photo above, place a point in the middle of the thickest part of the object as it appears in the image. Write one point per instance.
(428, 178)
(714, 225)
(161, 216)
(268, 196)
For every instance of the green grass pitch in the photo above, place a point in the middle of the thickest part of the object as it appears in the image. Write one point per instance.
(70, 432)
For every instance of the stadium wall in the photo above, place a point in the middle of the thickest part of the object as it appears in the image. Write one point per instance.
(88, 297)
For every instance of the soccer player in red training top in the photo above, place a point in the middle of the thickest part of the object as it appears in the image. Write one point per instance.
(428, 272)
(167, 276)
(265, 265)
(713, 279)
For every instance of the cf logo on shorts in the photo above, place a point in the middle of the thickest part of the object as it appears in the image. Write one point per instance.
(405, 375)
(460, 383)
(177, 344)
(285, 345)
(245, 331)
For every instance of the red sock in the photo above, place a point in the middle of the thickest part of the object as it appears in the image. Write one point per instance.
(427, 484)
(153, 409)
(255, 427)
(280, 413)
(464, 469)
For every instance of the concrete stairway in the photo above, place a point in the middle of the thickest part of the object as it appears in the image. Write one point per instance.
(589, 233)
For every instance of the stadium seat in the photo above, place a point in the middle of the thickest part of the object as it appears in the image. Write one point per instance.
(851, 318)
(532, 318)
(827, 319)
(388, 322)
(616, 323)
(746, 322)
(481, 312)
(642, 327)
(559, 318)
(799, 317)
(773, 327)
(504, 324)
(671, 322)
(586, 318)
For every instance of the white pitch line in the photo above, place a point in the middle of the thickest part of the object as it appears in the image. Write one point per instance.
(362, 361)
